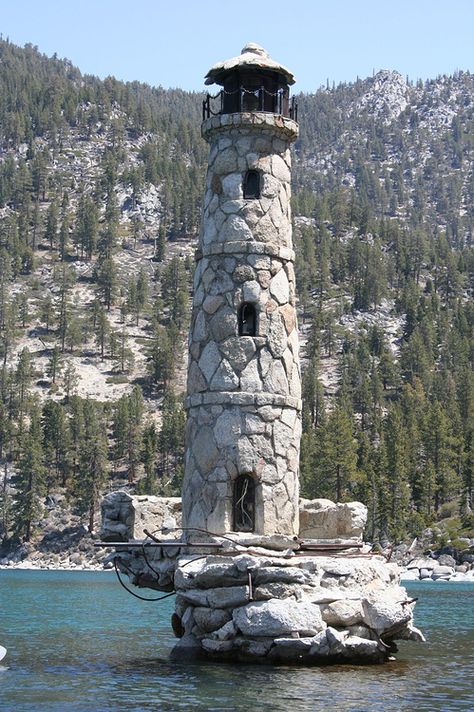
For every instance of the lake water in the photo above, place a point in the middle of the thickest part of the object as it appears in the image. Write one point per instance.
(78, 642)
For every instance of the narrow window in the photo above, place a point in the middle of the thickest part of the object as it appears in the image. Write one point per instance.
(244, 504)
(247, 320)
(252, 184)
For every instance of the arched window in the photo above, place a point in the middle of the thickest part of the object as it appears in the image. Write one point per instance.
(247, 320)
(244, 504)
(252, 184)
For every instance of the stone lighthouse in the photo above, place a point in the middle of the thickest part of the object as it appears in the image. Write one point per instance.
(260, 590)
(244, 385)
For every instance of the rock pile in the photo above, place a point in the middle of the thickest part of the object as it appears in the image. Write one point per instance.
(263, 598)
(443, 568)
(305, 609)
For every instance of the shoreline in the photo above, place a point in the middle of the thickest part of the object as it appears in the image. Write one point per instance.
(405, 574)
(33, 566)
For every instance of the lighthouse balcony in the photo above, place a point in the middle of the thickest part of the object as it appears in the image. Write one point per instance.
(256, 99)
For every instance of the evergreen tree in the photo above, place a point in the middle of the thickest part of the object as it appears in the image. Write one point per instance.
(92, 461)
(28, 480)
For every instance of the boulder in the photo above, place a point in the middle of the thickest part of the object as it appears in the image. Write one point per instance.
(209, 619)
(442, 572)
(229, 597)
(360, 649)
(447, 560)
(290, 649)
(386, 614)
(342, 613)
(323, 519)
(422, 563)
(216, 646)
(277, 618)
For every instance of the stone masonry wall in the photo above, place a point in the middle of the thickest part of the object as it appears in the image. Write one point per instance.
(244, 391)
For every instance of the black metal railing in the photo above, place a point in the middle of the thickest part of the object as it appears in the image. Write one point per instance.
(243, 99)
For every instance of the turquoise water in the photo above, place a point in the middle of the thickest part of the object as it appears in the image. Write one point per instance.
(78, 642)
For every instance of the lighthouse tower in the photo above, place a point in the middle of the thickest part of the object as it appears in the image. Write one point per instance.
(244, 386)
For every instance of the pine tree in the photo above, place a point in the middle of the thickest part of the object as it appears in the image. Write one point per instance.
(148, 457)
(396, 494)
(51, 232)
(92, 461)
(54, 365)
(171, 440)
(28, 480)
(56, 443)
(340, 454)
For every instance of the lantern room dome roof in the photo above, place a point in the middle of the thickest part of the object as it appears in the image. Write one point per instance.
(252, 57)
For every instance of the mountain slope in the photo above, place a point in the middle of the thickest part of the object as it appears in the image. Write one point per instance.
(100, 190)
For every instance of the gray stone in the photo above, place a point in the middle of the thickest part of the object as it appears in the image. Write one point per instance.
(280, 170)
(212, 303)
(342, 613)
(279, 287)
(253, 424)
(385, 613)
(276, 381)
(227, 428)
(276, 618)
(276, 590)
(335, 641)
(446, 560)
(204, 449)
(250, 378)
(124, 517)
(276, 574)
(210, 619)
(196, 380)
(223, 324)
(187, 648)
(227, 632)
(360, 649)
(243, 273)
(225, 161)
(276, 336)
(442, 572)
(231, 206)
(225, 378)
(216, 646)
(290, 649)
(238, 351)
(323, 519)
(235, 228)
(252, 649)
(230, 597)
(210, 360)
(251, 291)
(232, 186)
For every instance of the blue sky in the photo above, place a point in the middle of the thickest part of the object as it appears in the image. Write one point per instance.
(173, 43)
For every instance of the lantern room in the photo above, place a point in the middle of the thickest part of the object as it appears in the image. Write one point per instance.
(251, 82)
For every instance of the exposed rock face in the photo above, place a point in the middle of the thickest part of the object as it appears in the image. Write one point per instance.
(125, 517)
(387, 96)
(244, 389)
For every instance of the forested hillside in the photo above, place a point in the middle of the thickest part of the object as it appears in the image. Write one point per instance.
(100, 190)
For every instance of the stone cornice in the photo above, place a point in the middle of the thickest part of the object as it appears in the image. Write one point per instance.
(246, 247)
(243, 399)
(253, 120)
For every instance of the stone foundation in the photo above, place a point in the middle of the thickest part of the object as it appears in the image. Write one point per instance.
(304, 609)
(264, 598)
